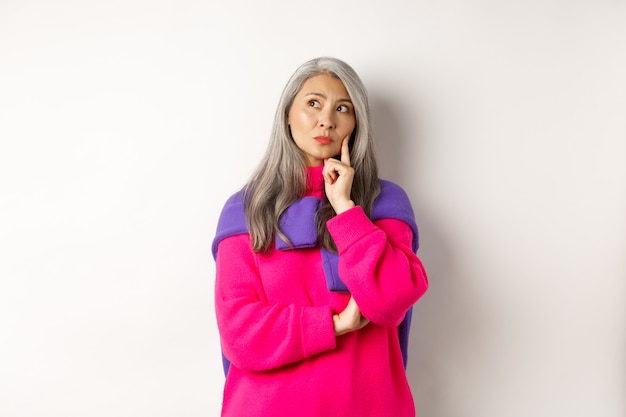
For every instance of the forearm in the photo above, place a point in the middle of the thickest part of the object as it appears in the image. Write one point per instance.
(260, 337)
(378, 266)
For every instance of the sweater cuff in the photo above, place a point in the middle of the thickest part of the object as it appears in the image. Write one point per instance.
(349, 227)
(318, 333)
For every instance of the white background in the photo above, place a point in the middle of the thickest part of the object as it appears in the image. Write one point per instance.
(125, 124)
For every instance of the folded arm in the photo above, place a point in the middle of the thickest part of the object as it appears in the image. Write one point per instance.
(377, 264)
(255, 334)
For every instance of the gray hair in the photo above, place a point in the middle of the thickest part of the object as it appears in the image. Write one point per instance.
(280, 177)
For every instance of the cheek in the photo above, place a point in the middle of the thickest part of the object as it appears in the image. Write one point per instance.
(300, 118)
(349, 127)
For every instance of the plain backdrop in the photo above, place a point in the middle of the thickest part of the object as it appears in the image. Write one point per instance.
(125, 125)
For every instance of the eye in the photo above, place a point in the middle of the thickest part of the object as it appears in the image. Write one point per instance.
(314, 103)
(343, 108)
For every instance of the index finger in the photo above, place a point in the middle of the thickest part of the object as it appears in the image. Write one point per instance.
(345, 151)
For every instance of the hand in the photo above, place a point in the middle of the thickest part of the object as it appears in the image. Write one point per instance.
(349, 320)
(338, 176)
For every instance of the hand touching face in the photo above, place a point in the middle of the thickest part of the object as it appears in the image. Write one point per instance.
(321, 117)
(338, 178)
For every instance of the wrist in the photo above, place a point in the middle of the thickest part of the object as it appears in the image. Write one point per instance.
(344, 206)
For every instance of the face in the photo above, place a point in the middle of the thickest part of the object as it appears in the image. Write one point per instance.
(320, 117)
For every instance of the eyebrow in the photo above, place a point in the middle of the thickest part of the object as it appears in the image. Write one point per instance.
(314, 93)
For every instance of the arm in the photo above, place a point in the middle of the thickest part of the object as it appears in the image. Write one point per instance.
(255, 334)
(377, 264)
(376, 261)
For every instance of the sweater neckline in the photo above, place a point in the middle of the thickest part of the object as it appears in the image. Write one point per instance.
(314, 181)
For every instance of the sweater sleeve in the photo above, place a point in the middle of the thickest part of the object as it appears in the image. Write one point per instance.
(377, 264)
(257, 335)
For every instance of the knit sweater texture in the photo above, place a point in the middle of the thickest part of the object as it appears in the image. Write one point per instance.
(274, 314)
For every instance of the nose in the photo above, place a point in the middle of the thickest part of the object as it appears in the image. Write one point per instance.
(326, 119)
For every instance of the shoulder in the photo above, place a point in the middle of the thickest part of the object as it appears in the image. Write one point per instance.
(234, 203)
(392, 200)
(232, 220)
(393, 203)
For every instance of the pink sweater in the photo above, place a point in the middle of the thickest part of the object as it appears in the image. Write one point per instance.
(274, 314)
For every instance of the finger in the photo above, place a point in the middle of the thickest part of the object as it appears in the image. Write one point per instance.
(354, 308)
(329, 174)
(345, 151)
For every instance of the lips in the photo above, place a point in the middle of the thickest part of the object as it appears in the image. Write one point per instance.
(324, 140)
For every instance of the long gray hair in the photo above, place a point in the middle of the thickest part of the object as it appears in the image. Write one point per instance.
(280, 178)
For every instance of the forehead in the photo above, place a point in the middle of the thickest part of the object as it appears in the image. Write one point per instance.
(325, 84)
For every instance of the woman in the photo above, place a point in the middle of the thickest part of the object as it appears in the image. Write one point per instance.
(316, 265)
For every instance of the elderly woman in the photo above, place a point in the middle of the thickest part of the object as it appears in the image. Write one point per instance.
(316, 265)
